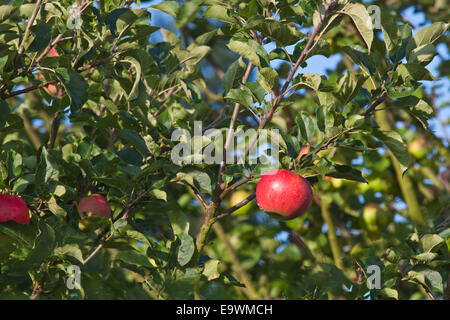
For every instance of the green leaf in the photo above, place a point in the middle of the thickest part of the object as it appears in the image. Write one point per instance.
(211, 269)
(355, 121)
(430, 242)
(391, 33)
(72, 250)
(6, 11)
(307, 127)
(4, 112)
(413, 71)
(170, 7)
(186, 249)
(129, 17)
(179, 222)
(134, 257)
(55, 208)
(395, 144)
(423, 54)
(240, 96)
(345, 172)
(282, 33)
(42, 37)
(389, 293)
(47, 168)
(111, 18)
(250, 50)
(348, 87)
(363, 22)
(307, 80)
(24, 234)
(325, 118)
(430, 278)
(220, 13)
(361, 58)
(44, 245)
(427, 35)
(187, 12)
(418, 108)
(405, 35)
(233, 75)
(133, 94)
(426, 256)
(268, 78)
(136, 140)
(75, 86)
(158, 194)
(257, 90)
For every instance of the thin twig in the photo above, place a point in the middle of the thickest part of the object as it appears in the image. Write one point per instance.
(27, 32)
(231, 128)
(235, 207)
(54, 129)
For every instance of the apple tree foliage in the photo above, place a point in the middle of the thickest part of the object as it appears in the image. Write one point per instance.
(126, 82)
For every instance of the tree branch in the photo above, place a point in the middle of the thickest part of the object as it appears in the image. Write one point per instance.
(27, 33)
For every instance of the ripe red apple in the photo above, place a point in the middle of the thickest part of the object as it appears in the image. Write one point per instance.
(283, 194)
(94, 205)
(13, 208)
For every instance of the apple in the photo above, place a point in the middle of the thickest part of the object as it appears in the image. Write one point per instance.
(375, 219)
(95, 205)
(52, 90)
(13, 208)
(283, 194)
(336, 183)
(237, 197)
(303, 150)
(378, 185)
(419, 148)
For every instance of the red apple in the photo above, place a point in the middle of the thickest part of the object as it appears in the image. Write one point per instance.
(283, 194)
(94, 205)
(52, 90)
(13, 208)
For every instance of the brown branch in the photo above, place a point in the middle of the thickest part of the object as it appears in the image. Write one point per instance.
(198, 195)
(235, 207)
(297, 240)
(27, 33)
(377, 102)
(42, 55)
(31, 88)
(231, 128)
(239, 183)
(54, 129)
(243, 275)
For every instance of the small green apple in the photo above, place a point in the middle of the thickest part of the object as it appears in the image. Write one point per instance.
(336, 183)
(237, 197)
(377, 185)
(375, 220)
(419, 148)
